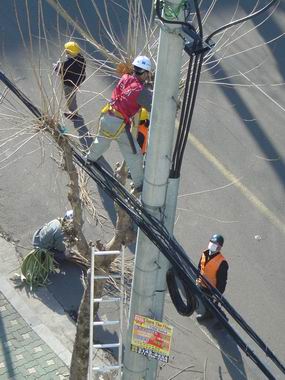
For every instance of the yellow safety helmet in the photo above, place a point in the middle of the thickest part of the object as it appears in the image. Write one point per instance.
(72, 48)
(144, 114)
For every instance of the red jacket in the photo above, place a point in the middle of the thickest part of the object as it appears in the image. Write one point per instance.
(124, 96)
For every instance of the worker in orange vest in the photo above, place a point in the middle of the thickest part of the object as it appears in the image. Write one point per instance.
(214, 267)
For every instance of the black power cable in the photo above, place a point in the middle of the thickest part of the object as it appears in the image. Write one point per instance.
(158, 234)
(250, 16)
(159, 7)
(174, 172)
(196, 51)
(20, 95)
(198, 14)
(188, 105)
(167, 244)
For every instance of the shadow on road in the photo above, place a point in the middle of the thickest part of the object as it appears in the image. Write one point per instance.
(230, 354)
(229, 350)
(270, 30)
(6, 354)
(261, 136)
(67, 286)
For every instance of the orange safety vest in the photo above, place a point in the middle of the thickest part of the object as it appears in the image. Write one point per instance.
(209, 269)
(143, 129)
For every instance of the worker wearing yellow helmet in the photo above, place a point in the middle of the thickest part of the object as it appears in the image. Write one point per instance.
(72, 48)
(73, 73)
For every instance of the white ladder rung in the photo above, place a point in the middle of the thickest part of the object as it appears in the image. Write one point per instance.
(106, 368)
(101, 277)
(110, 299)
(116, 297)
(107, 345)
(106, 253)
(106, 323)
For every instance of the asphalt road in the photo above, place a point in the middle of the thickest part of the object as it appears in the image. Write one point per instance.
(232, 179)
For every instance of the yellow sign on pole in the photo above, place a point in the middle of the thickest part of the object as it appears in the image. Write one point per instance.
(151, 338)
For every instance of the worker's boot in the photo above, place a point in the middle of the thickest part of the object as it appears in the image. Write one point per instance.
(204, 317)
(71, 115)
(129, 175)
(136, 191)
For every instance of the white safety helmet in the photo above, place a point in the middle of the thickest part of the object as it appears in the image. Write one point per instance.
(142, 62)
(69, 215)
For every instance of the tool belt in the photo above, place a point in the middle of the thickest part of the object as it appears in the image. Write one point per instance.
(124, 126)
(108, 109)
(112, 111)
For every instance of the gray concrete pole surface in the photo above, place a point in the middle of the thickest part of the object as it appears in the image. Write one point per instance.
(149, 284)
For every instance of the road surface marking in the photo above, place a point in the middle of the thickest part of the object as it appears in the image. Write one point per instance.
(236, 182)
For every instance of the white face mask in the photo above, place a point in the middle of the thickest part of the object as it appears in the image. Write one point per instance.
(212, 247)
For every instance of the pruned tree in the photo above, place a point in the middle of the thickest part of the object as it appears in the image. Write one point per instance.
(109, 55)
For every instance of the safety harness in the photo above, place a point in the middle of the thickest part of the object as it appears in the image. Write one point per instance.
(125, 125)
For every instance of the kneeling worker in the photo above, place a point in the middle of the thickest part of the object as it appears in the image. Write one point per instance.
(52, 236)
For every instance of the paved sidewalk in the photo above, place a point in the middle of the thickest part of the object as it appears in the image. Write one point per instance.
(36, 335)
(23, 354)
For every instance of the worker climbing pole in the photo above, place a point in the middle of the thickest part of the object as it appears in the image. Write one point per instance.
(162, 173)
(160, 190)
(155, 215)
(167, 244)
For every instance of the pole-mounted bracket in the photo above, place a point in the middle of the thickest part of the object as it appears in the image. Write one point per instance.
(193, 44)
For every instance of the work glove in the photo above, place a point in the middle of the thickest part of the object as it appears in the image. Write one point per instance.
(56, 67)
(62, 130)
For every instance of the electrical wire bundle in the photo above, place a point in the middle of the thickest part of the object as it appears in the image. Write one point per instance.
(151, 226)
(176, 255)
(167, 244)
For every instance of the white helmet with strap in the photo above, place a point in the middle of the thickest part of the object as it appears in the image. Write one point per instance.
(142, 62)
(68, 216)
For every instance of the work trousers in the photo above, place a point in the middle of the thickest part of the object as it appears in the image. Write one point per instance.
(84, 136)
(201, 307)
(78, 121)
(70, 96)
(108, 126)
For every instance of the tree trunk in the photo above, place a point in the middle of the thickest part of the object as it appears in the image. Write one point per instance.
(74, 199)
(124, 235)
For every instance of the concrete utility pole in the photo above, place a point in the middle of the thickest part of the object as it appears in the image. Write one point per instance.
(159, 196)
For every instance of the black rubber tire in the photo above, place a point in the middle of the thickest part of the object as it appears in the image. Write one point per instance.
(184, 308)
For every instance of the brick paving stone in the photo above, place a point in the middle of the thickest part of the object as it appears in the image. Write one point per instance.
(23, 354)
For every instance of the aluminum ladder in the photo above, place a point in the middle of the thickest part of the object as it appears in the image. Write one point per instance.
(106, 299)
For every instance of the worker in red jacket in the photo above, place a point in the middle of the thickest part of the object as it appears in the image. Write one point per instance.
(127, 98)
(214, 267)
